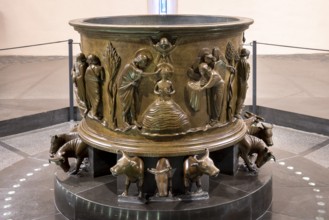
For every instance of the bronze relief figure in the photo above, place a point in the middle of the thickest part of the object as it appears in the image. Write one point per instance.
(207, 75)
(128, 84)
(94, 78)
(78, 77)
(243, 70)
(164, 116)
(163, 47)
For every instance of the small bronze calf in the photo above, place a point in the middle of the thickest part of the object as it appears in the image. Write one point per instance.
(250, 145)
(59, 140)
(163, 176)
(194, 168)
(73, 148)
(257, 127)
(133, 169)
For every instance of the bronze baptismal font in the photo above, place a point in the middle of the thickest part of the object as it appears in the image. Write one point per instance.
(161, 99)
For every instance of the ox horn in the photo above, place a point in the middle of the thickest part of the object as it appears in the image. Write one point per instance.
(248, 114)
(123, 153)
(55, 159)
(196, 158)
(207, 152)
(262, 125)
(155, 172)
(206, 155)
(267, 125)
(272, 156)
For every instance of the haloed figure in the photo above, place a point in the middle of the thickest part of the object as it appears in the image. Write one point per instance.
(94, 78)
(213, 82)
(78, 77)
(129, 80)
(243, 70)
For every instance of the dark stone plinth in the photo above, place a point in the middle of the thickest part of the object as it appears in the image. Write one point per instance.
(227, 159)
(243, 196)
(101, 161)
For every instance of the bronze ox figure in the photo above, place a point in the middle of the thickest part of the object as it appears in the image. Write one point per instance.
(59, 140)
(163, 176)
(133, 169)
(263, 131)
(73, 148)
(194, 168)
(257, 127)
(250, 145)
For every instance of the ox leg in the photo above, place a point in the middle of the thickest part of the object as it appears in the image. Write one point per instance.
(198, 185)
(65, 165)
(170, 187)
(127, 184)
(187, 186)
(247, 161)
(140, 187)
(77, 167)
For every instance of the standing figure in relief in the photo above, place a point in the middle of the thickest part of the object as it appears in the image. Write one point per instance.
(78, 78)
(243, 70)
(207, 74)
(164, 115)
(196, 79)
(94, 78)
(212, 82)
(164, 88)
(128, 82)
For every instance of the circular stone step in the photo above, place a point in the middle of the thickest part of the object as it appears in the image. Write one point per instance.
(243, 196)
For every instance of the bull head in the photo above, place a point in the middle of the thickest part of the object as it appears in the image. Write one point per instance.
(267, 133)
(56, 160)
(122, 164)
(131, 162)
(206, 164)
(61, 161)
(204, 156)
(54, 145)
(263, 157)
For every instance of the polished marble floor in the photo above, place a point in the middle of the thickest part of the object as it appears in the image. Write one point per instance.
(300, 175)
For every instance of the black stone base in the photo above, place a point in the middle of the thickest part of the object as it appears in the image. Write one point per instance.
(243, 196)
(227, 159)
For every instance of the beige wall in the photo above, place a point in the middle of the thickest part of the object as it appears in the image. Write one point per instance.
(300, 23)
(24, 22)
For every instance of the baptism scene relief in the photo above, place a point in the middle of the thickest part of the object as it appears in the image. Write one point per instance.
(113, 93)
